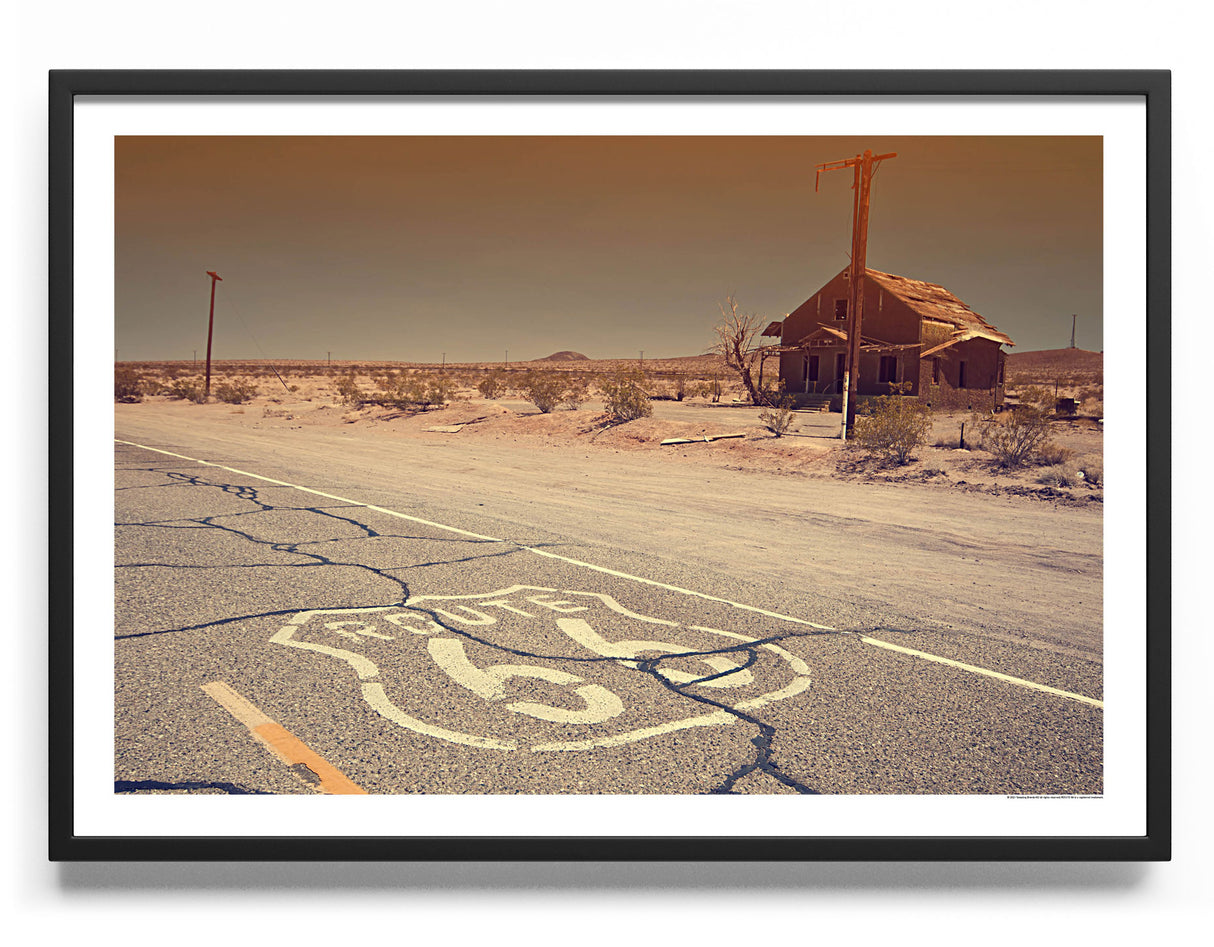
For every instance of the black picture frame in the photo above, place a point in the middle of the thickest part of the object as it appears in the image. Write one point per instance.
(1153, 87)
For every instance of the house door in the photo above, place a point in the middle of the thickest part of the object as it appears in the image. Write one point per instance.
(840, 368)
(810, 371)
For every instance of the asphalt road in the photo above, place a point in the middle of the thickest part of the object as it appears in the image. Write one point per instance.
(288, 626)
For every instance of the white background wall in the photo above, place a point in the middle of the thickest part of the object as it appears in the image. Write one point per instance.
(989, 903)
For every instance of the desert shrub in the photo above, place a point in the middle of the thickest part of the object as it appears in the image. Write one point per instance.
(409, 390)
(187, 390)
(1014, 437)
(440, 389)
(577, 393)
(777, 416)
(710, 388)
(625, 396)
(680, 387)
(1053, 454)
(894, 428)
(235, 392)
(492, 385)
(1093, 471)
(1092, 407)
(128, 388)
(1037, 397)
(1061, 475)
(778, 419)
(348, 390)
(545, 390)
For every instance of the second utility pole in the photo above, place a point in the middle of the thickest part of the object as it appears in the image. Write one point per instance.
(210, 327)
(863, 167)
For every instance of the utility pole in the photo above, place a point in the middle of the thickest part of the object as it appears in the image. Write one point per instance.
(862, 166)
(215, 277)
(1073, 318)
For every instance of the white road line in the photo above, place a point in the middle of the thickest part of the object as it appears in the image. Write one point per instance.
(1007, 678)
(1019, 682)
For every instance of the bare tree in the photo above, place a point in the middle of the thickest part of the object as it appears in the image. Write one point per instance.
(735, 342)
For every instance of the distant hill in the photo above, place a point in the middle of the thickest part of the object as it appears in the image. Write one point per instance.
(565, 357)
(1052, 364)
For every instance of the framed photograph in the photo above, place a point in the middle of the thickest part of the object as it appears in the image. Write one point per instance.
(610, 466)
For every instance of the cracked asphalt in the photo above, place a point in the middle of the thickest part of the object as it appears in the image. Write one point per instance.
(428, 648)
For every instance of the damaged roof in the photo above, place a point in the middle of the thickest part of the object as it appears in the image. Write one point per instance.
(935, 302)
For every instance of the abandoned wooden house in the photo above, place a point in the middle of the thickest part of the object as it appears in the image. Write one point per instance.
(917, 338)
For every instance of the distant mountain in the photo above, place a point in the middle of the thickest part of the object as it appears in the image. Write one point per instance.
(1051, 363)
(565, 357)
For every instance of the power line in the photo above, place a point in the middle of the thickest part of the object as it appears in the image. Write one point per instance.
(257, 344)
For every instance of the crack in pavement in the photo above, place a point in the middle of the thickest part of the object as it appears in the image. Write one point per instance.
(763, 761)
(155, 785)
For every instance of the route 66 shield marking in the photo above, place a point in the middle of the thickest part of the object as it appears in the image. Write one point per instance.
(544, 670)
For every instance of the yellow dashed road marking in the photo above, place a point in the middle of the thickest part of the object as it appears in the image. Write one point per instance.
(288, 748)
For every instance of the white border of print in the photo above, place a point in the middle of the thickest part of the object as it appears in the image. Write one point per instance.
(1121, 811)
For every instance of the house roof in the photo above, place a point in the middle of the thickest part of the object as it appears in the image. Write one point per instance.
(960, 336)
(935, 302)
(776, 328)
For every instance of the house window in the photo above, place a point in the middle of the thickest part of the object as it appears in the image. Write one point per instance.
(935, 371)
(840, 310)
(1001, 371)
(888, 369)
(811, 367)
(961, 379)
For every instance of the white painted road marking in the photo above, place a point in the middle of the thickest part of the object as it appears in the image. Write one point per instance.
(486, 682)
(633, 578)
(1019, 682)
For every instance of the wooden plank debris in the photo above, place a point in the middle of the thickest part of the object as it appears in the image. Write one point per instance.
(700, 440)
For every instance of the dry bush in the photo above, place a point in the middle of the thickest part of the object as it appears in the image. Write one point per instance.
(492, 385)
(577, 393)
(894, 428)
(545, 390)
(1015, 437)
(1061, 475)
(348, 390)
(1054, 454)
(777, 418)
(625, 396)
(1092, 407)
(237, 391)
(1093, 471)
(187, 390)
(128, 387)
(410, 390)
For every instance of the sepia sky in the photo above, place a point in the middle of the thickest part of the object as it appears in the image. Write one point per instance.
(413, 248)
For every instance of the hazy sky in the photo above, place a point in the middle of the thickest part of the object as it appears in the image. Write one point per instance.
(412, 247)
